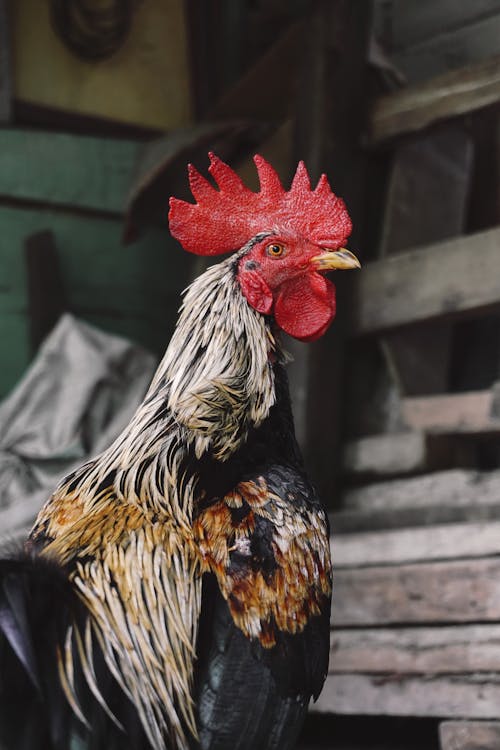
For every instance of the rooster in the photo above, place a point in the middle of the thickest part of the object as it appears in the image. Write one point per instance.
(175, 591)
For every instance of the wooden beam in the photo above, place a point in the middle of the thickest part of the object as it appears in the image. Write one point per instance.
(474, 696)
(448, 95)
(461, 413)
(449, 279)
(455, 591)
(452, 487)
(402, 25)
(459, 649)
(469, 735)
(452, 49)
(441, 542)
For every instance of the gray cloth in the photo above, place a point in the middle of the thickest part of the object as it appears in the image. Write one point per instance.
(75, 399)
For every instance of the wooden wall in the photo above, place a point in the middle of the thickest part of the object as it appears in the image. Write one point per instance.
(428, 37)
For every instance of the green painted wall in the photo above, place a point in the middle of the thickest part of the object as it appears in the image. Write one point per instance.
(130, 290)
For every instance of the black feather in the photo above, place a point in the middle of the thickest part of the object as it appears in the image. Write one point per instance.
(37, 605)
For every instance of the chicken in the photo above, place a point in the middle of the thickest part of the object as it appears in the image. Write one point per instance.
(175, 591)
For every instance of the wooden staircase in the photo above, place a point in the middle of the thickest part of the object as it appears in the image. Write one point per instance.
(416, 537)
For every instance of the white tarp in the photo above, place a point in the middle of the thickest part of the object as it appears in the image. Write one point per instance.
(77, 396)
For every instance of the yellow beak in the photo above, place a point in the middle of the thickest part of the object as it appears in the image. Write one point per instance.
(335, 260)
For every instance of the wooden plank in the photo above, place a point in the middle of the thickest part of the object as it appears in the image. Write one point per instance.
(469, 735)
(449, 95)
(353, 521)
(452, 49)
(454, 591)
(452, 487)
(438, 162)
(435, 162)
(91, 173)
(400, 25)
(396, 695)
(447, 280)
(442, 542)
(459, 649)
(475, 412)
(395, 453)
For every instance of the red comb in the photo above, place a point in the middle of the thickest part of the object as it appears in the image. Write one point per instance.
(225, 219)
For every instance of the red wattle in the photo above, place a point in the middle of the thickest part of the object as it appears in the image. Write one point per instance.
(305, 306)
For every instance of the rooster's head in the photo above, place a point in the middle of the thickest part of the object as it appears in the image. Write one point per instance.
(288, 240)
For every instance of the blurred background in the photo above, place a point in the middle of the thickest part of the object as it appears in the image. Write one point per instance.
(102, 104)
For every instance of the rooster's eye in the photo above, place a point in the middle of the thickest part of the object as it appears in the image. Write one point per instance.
(275, 250)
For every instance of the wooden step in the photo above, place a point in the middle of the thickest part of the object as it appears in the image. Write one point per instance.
(469, 735)
(454, 487)
(455, 591)
(425, 544)
(349, 521)
(441, 696)
(434, 671)
(426, 651)
(445, 280)
(393, 454)
(459, 413)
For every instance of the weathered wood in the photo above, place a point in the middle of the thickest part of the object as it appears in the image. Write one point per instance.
(459, 649)
(396, 453)
(400, 25)
(454, 591)
(352, 521)
(446, 280)
(392, 454)
(436, 162)
(469, 735)
(449, 95)
(452, 487)
(91, 173)
(396, 695)
(452, 49)
(442, 542)
(463, 413)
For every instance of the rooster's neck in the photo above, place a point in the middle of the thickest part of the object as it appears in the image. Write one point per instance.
(216, 380)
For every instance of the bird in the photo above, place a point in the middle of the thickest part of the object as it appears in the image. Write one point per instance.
(175, 591)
